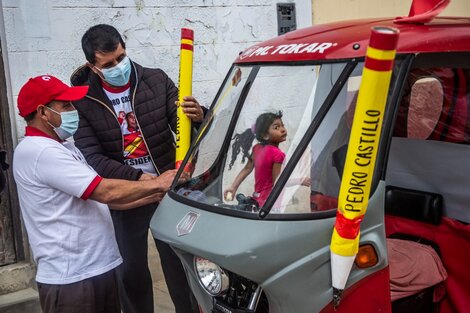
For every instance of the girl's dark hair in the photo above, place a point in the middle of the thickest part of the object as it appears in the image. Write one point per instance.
(243, 141)
(100, 38)
(263, 122)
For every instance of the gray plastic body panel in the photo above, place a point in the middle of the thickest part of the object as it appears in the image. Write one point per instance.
(289, 259)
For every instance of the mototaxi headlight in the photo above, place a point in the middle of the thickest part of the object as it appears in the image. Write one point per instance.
(211, 277)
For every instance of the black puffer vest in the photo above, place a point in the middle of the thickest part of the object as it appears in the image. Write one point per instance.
(99, 136)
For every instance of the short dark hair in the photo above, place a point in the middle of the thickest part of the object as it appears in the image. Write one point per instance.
(30, 116)
(263, 122)
(100, 38)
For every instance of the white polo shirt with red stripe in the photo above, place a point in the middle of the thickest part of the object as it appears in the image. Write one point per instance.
(71, 238)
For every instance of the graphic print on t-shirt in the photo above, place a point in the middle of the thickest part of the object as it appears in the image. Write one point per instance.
(135, 151)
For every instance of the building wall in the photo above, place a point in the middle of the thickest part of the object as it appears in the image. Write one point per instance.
(43, 36)
(325, 11)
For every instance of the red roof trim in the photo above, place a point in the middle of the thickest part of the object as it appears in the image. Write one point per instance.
(349, 39)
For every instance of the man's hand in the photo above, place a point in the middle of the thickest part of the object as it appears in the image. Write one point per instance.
(125, 194)
(146, 176)
(192, 109)
(166, 178)
(155, 198)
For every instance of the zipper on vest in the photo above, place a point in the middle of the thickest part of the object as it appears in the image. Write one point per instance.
(137, 121)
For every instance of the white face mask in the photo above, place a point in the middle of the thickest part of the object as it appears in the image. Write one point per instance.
(119, 74)
(69, 124)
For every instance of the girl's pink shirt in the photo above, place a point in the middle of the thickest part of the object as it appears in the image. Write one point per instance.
(264, 158)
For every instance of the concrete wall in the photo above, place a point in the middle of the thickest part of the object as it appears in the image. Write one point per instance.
(324, 11)
(43, 36)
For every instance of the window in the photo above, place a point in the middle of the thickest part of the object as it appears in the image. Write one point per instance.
(227, 140)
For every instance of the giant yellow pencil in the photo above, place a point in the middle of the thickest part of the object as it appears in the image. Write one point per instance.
(362, 152)
(183, 123)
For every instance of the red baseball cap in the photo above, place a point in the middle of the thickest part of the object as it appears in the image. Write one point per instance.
(43, 89)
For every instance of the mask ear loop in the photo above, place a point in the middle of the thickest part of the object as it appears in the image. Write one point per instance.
(58, 113)
(50, 124)
(95, 70)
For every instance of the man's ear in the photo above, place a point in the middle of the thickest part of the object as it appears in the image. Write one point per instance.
(41, 112)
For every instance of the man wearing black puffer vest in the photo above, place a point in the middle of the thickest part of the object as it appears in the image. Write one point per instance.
(125, 131)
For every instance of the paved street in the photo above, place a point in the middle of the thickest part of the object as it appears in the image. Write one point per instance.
(161, 297)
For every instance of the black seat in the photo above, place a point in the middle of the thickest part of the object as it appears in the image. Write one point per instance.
(417, 205)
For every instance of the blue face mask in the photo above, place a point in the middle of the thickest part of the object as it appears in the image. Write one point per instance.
(69, 124)
(118, 75)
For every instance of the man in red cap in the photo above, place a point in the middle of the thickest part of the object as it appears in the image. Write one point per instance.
(63, 201)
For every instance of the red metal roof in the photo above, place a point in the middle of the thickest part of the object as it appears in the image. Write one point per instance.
(349, 39)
